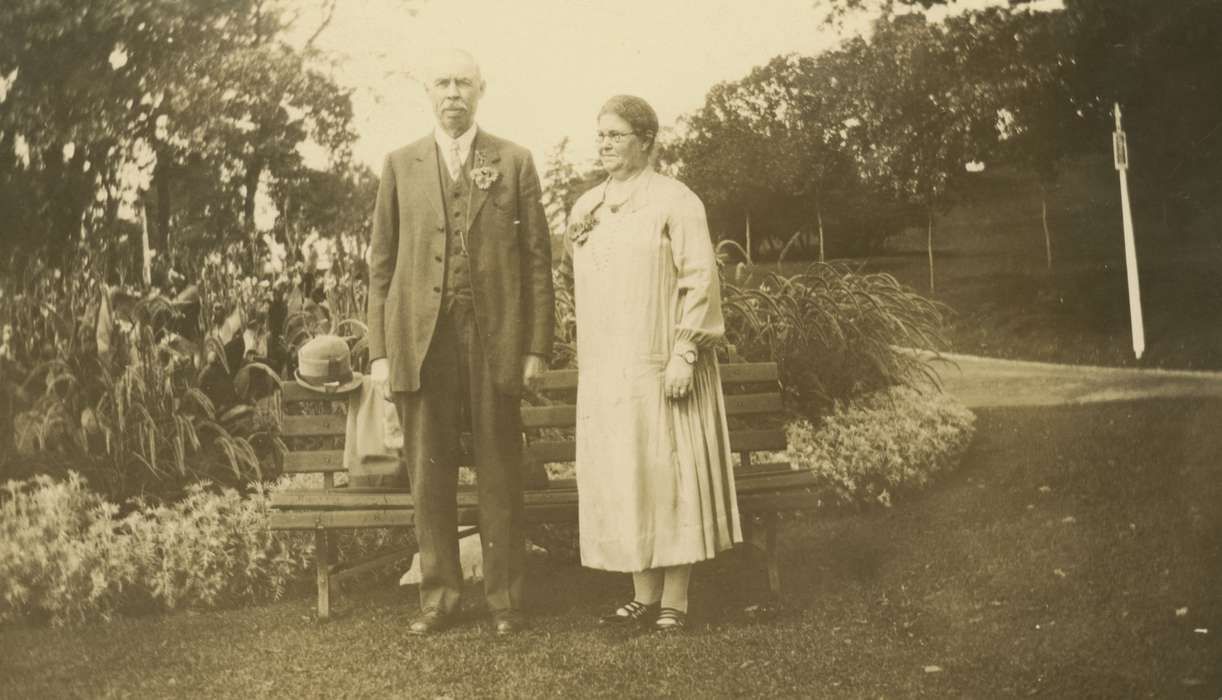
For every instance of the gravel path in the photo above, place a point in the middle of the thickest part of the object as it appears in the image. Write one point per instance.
(983, 382)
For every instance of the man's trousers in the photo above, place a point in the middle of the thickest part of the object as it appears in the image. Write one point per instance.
(457, 395)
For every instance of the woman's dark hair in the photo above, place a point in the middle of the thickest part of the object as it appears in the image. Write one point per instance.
(637, 113)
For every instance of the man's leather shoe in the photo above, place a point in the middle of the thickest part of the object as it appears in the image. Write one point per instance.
(509, 622)
(429, 622)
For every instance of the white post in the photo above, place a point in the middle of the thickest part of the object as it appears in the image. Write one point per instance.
(749, 238)
(146, 257)
(1120, 153)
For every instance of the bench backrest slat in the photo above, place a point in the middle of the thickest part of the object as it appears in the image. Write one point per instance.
(566, 379)
(740, 441)
(308, 426)
(313, 461)
(565, 415)
(759, 379)
(294, 393)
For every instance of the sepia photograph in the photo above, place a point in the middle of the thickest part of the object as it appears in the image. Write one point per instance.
(611, 349)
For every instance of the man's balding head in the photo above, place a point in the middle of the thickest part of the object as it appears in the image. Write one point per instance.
(455, 86)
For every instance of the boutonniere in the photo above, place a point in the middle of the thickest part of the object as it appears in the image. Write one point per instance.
(579, 230)
(483, 175)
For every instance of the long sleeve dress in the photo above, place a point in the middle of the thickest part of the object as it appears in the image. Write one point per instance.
(654, 479)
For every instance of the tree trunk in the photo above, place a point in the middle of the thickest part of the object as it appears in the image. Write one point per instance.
(146, 270)
(70, 191)
(748, 238)
(929, 247)
(819, 221)
(254, 169)
(159, 237)
(1044, 220)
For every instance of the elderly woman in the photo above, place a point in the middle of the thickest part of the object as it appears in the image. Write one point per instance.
(655, 484)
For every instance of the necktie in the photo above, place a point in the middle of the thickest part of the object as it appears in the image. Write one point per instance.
(455, 161)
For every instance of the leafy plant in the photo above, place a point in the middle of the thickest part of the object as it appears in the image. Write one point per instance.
(564, 344)
(875, 445)
(68, 556)
(99, 379)
(834, 331)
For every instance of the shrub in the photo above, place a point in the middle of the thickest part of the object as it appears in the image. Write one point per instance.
(61, 556)
(834, 332)
(212, 549)
(887, 441)
(66, 555)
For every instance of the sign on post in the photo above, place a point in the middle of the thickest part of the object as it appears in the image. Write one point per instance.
(1120, 154)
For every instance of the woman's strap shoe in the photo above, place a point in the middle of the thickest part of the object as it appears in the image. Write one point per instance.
(670, 620)
(629, 613)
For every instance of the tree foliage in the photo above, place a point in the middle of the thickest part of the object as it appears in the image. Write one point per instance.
(874, 136)
(184, 109)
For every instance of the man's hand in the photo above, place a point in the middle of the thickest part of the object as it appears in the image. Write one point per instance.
(533, 368)
(678, 379)
(379, 372)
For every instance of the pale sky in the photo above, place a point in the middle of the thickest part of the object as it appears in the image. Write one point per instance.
(550, 64)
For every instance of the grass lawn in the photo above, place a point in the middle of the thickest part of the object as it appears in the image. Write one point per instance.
(1053, 564)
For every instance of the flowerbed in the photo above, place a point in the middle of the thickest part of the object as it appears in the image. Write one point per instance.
(885, 442)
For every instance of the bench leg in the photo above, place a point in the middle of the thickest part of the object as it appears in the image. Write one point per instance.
(770, 554)
(762, 536)
(322, 559)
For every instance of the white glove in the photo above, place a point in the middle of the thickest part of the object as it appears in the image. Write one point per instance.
(379, 372)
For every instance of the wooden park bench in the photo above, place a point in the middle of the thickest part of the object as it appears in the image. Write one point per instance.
(753, 398)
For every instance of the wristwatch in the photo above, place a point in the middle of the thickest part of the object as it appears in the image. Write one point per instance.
(689, 356)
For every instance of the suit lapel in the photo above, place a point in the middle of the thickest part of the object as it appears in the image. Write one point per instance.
(484, 154)
(429, 173)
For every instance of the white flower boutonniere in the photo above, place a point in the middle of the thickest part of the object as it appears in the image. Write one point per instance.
(483, 175)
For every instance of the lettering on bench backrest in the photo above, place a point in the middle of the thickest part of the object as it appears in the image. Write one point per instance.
(312, 426)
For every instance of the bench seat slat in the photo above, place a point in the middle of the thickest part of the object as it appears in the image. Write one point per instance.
(773, 501)
(560, 493)
(351, 519)
(557, 511)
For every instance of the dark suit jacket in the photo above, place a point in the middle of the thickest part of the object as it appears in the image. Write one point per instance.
(509, 257)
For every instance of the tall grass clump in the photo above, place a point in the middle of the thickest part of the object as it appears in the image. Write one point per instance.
(141, 393)
(835, 332)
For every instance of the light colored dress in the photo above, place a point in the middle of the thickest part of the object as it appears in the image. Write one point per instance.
(654, 481)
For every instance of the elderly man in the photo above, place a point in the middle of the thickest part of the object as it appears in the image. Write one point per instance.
(460, 318)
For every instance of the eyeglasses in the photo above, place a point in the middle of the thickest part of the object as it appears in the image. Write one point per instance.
(615, 137)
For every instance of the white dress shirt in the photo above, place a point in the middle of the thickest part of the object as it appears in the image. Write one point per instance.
(445, 143)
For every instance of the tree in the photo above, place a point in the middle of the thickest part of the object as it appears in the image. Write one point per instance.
(768, 150)
(924, 107)
(200, 100)
(1159, 60)
(563, 182)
